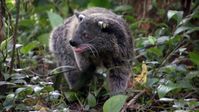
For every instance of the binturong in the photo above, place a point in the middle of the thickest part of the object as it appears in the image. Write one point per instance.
(91, 39)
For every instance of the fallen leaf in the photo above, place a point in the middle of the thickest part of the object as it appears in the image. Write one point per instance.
(141, 78)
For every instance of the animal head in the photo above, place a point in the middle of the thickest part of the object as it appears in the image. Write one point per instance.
(99, 33)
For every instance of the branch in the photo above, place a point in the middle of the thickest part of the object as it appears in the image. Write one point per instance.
(15, 36)
(2, 12)
(132, 101)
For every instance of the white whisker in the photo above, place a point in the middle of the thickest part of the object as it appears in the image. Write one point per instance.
(120, 48)
(94, 49)
(88, 45)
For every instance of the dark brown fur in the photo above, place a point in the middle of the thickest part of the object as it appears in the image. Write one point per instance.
(108, 44)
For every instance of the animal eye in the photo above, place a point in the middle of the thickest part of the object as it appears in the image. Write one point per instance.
(81, 17)
(86, 36)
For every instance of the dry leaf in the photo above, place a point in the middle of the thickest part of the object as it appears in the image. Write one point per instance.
(141, 78)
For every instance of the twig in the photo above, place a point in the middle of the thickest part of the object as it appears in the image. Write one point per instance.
(71, 68)
(190, 94)
(135, 98)
(168, 56)
(132, 101)
(15, 36)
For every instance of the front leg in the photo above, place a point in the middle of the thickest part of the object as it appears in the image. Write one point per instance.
(82, 74)
(82, 62)
(118, 78)
(77, 77)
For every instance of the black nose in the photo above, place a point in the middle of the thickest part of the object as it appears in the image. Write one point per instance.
(73, 43)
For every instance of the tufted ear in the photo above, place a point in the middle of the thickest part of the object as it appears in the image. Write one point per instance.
(120, 16)
(76, 13)
(79, 15)
(103, 25)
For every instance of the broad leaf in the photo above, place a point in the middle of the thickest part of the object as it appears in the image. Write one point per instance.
(176, 15)
(91, 100)
(6, 83)
(114, 104)
(164, 89)
(48, 88)
(5, 43)
(122, 8)
(43, 39)
(162, 39)
(70, 96)
(156, 51)
(152, 40)
(24, 91)
(8, 103)
(27, 48)
(54, 95)
(37, 89)
(194, 57)
(55, 19)
(180, 30)
(151, 81)
(10, 3)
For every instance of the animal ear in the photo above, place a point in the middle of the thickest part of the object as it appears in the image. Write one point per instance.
(120, 16)
(79, 15)
(103, 25)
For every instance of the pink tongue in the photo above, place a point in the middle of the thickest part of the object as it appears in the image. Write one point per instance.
(80, 49)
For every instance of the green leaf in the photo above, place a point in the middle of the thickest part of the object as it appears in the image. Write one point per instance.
(91, 100)
(193, 104)
(82, 3)
(43, 39)
(19, 81)
(194, 57)
(24, 91)
(99, 3)
(192, 29)
(162, 39)
(156, 51)
(164, 89)
(55, 19)
(134, 26)
(114, 104)
(176, 15)
(180, 30)
(19, 90)
(23, 107)
(43, 6)
(54, 95)
(8, 103)
(192, 74)
(48, 88)
(6, 83)
(123, 8)
(27, 48)
(151, 81)
(16, 76)
(37, 89)
(26, 23)
(185, 84)
(10, 3)
(152, 40)
(70, 96)
(4, 43)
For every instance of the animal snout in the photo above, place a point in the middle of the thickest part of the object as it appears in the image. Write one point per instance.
(73, 43)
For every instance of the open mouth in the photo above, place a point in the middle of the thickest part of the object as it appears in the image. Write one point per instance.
(80, 48)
